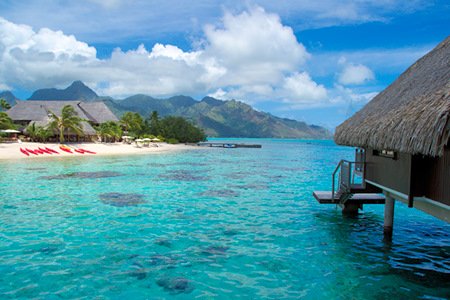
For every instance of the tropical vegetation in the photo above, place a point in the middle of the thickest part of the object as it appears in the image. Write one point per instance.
(68, 121)
(109, 131)
(5, 121)
(4, 105)
(38, 133)
(171, 128)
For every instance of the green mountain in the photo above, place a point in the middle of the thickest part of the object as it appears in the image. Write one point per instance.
(222, 118)
(9, 97)
(76, 91)
(218, 118)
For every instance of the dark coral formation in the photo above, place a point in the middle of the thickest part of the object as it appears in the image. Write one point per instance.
(83, 175)
(122, 199)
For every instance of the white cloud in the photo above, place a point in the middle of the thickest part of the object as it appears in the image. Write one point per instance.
(250, 56)
(355, 74)
(254, 46)
(340, 94)
(300, 88)
(140, 19)
(4, 87)
(109, 4)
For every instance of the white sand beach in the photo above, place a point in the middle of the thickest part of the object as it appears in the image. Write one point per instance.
(10, 151)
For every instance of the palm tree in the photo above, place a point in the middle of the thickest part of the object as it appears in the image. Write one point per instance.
(109, 131)
(38, 133)
(69, 120)
(155, 125)
(4, 105)
(132, 122)
(5, 121)
(32, 130)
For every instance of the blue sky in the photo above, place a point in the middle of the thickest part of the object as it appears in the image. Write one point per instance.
(317, 62)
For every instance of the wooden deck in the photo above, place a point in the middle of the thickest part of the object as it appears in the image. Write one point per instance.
(324, 197)
(227, 145)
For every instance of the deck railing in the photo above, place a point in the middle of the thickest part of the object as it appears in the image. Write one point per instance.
(350, 174)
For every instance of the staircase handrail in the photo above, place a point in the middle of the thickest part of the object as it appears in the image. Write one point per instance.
(350, 178)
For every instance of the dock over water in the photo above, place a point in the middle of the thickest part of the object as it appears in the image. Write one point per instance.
(228, 145)
(325, 197)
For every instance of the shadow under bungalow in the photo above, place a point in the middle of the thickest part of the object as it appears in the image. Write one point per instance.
(403, 145)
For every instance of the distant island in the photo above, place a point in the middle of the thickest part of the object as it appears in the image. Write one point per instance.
(218, 118)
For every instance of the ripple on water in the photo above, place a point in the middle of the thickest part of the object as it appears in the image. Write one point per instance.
(138, 271)
(83, 175)
(283, 245)
(122, 199)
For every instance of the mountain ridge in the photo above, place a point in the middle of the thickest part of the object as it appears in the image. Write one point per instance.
(9, 97)
(219, 118)
(76, 91)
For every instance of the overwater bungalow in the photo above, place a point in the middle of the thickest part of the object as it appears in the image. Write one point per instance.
(32, 111)
(403, 145)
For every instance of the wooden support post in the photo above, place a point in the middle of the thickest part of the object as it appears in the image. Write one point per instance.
(350, 209)
(388, 216)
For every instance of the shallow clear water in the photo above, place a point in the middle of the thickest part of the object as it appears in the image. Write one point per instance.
(207, 223)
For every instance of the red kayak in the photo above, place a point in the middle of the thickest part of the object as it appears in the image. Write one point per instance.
(31, 151)
(79, 151)
(39, 151)
(44, 150)
(65, 149)
(51, 150)
(87, 151)
(24, 152)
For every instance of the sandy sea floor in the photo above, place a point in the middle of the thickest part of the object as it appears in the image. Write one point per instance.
(12, 150)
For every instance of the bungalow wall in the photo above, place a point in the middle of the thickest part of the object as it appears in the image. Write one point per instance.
(393, 173)
(431, 177)
(417, 175)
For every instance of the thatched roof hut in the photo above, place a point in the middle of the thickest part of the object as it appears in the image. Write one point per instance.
(411, 115)
(32, 111)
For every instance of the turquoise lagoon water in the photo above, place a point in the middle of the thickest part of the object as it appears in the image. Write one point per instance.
(207, 223)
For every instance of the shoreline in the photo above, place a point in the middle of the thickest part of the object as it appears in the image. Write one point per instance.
(11, 151)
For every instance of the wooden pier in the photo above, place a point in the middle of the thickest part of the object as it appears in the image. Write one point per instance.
(324, 197)
(228, 145)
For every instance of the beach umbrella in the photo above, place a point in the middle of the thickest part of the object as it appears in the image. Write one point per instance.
(127, 137)
(10, 131)
(138, 140)
(155, 140)
(146, 140)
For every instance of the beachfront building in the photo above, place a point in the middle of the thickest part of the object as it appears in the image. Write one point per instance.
(403, 144)
(26, 112)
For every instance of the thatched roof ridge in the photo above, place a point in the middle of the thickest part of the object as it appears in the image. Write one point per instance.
(411, 115)
(37, 111)
(98, 112)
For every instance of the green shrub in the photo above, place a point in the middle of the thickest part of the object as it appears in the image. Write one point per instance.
(172, 141)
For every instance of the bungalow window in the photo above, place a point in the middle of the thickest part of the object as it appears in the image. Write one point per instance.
(385, 153)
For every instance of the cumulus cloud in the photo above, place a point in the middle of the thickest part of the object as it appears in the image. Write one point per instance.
(31, 58)
(141, 20)
(301, 88)
(341, 94)
(248, 56)
(355, 74)
(254, 46)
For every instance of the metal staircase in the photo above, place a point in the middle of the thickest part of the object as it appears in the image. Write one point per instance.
(349, 188)
(350, 178)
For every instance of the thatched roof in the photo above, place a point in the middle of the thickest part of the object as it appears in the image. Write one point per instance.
(411, 115)
(37, 112)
